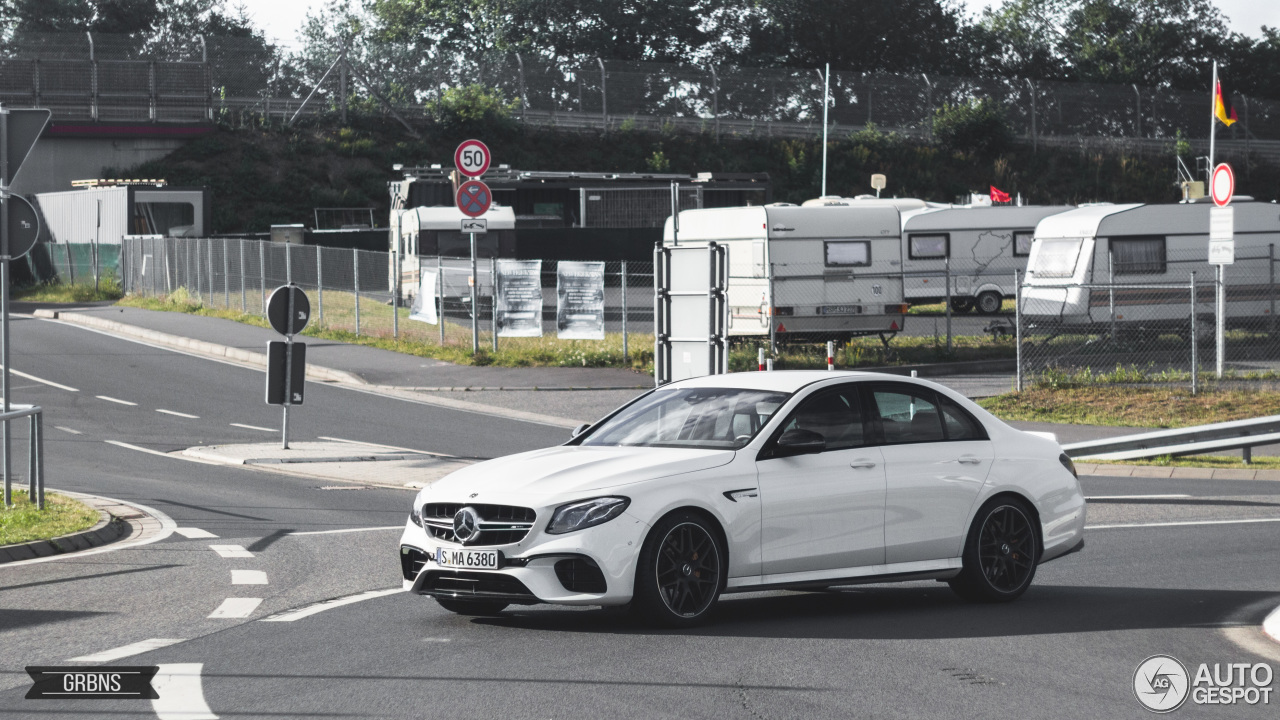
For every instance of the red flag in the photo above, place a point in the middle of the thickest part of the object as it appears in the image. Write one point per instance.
(998, 195)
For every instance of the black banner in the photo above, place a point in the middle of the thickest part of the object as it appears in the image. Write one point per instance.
(109, 683)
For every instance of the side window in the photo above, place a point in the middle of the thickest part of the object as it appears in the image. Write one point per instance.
(1139, 256)
(1022, 242)
(924, 247)
(833, 414)
(959, 424)
(906, 414)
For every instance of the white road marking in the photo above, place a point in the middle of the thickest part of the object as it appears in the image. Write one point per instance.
(51, 383)
(248, 577)
(1185, 523)
(175, 412)
(1134, 497)
(108, 398)
(181, 692)
(194, 533)
(231, 551)
(68, 430)
(309, 610)
(1271, 626)
(234, 608)
(252, 427)
(379, 445)
(126, 650)
(167, 526)
(149, 451)
(347, 530)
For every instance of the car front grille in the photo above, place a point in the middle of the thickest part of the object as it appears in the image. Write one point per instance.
(412, 561)
(478, 585)
(499, 524)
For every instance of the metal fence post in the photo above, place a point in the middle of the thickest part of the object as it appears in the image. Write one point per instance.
(244, 305)
(624, 311)
(1271, 286)
(40, 461)
(947, 308)
(208, 244)
(493, 301)
(1195, 359)
(1111, 291)
(288, 263)
(33, 489)
(226, 277)
(262, 274)
(355, 264)
(440, 296)
(1017, 328)
(320, 285)
(604, 96)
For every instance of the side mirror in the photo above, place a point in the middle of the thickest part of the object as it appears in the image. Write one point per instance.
(800, 442)
(579, 430)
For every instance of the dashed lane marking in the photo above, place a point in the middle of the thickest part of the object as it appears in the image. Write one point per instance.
(108, 398)
(248, 577)
(1185, 523)
(50, 383)
(126, 650)
(67, 430)
(235, 608)
(194, 533)
(178, 414)
(252, 427)
(181, 691)
(231, 551)
(315, 609)
(347, 530)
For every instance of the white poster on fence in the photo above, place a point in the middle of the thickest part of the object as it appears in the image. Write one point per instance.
(424, 301)
(580, 300)
(518, 302)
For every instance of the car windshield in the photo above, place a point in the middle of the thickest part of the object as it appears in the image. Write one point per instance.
(721, 418)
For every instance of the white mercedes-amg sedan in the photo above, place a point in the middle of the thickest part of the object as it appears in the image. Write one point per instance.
(751, 481)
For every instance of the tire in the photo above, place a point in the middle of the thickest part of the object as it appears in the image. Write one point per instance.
(681, 571)
(1000, 553)
(989, 303)
(961, 305)
(472, 607)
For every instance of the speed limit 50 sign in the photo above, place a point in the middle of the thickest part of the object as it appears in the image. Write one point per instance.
(472, 158)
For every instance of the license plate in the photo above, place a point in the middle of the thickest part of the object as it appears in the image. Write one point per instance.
(468, 559)
(841, 309)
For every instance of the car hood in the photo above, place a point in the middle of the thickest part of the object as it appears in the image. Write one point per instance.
(570, 470)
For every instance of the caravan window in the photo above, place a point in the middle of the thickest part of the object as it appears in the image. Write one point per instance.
(848, 253)
(1138, 256)
(1022, 242)
(923, 247)
(1057, 258)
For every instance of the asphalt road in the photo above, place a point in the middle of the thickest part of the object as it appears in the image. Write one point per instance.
(1153, 579)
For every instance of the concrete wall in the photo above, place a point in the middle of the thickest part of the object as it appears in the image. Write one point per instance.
(56, 161)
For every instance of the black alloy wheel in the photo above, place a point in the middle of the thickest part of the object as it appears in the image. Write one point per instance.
(1000, 555)
(681, 571)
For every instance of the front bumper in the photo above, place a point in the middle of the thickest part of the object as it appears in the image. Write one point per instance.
(541, 568)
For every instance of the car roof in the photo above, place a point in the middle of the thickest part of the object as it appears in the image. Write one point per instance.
(788, 381)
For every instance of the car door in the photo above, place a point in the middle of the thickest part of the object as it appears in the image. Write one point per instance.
(824, 510)
(936, 458)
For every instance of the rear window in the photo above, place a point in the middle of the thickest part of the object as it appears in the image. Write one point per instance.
(1057, 258)
(848, 253)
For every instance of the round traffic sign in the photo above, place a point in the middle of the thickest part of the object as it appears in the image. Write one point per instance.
(472, 158)
(1222, 184)
(474, 198)
(278, 310)
(24, 226)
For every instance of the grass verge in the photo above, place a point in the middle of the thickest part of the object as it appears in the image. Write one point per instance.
(1224, 462)
(61, 516)
(1152, 407)
(941, 309)
(108, 289)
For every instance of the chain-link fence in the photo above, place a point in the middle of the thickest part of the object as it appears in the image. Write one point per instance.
(1152, 321)
(73, 263)
(352, 290)
(96, 77)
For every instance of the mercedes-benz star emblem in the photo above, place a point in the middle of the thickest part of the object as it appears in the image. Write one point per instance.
(465, 525)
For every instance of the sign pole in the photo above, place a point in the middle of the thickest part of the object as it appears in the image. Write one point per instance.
(288, 372)
(4, 296)
(1221, 344)
(475, 312)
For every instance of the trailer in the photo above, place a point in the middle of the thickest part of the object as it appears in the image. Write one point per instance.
(437, 231)
(826, 271)
(1106, 265)
(977, 247)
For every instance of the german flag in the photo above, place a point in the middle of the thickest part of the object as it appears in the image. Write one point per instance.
(1222, 106)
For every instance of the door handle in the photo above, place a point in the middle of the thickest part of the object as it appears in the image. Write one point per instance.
(969, 460)
(862, 464)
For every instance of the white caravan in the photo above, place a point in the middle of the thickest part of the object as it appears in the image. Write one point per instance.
(980, 247)
(1145, 244)
(437, 231)
(820, 272)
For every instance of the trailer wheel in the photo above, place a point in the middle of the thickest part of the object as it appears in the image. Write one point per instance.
(989, 303)
(961, 305)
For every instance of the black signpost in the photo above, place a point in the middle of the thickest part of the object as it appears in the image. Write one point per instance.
(19, 130)
(288, 311)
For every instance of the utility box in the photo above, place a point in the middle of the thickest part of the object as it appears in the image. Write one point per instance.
(293, 234)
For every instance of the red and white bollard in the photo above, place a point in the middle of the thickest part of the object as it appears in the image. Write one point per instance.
(760, 357)
(831, 355)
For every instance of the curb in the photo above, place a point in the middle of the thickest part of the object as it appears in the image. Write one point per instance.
(109, 529)
(314, 372)
(1184, 473)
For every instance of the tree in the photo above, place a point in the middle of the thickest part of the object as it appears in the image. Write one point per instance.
(1021, 39)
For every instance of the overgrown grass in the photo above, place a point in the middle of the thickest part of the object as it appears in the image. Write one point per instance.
(1154, 407)
(941, 309)
(61, 516)
(108, 289)
(1224, 462)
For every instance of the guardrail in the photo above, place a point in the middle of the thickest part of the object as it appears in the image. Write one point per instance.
(1234, 435)
(35, 453)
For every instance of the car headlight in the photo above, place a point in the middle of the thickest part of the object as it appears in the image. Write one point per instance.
(586, 513)
(415, 514)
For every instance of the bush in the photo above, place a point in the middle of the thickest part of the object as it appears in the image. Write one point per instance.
(473, 105)
(976, 126)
